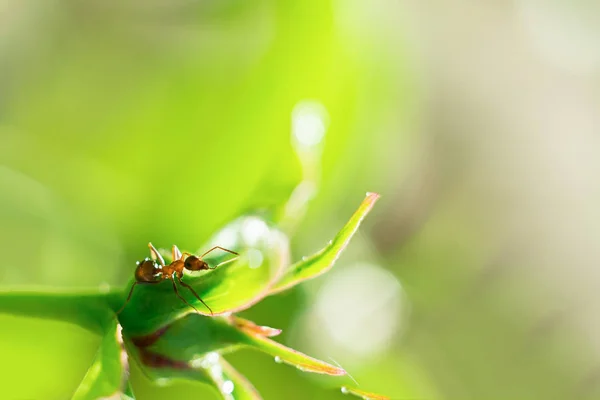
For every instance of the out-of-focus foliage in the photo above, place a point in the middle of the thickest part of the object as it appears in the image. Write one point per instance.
(128, 122)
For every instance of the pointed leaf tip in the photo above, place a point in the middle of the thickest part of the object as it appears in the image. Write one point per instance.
(323, 260)
(293, 357)
(251, 328)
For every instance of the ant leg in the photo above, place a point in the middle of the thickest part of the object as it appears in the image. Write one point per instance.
(130, 293)
(181, 297)
(176, 253)
(221, 248)
(195, 294)
(155, 254)
(128, 297)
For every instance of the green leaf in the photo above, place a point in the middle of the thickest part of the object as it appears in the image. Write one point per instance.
(211, 368)
(362, 394)
(190, 338)
(264, 252)
(322, 261)
(107, 376)
(89, 310)
(228, 381)
(293, 357)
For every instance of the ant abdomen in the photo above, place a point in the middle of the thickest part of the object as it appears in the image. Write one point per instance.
(147, 271)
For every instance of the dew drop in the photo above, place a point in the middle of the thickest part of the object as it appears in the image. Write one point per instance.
(162, 381)
(212, 357)
(209, 361)
(215, 370)
(227, 387)
(345, 390)
(304, 258)
(278, 360)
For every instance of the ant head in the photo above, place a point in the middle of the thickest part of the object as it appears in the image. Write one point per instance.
(147, 271)
(194, 263)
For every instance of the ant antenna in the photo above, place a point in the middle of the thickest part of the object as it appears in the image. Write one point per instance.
(220, 248)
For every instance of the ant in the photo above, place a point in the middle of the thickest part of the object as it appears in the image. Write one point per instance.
(149, 271)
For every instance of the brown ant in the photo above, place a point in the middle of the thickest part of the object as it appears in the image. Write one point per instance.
(149, 271)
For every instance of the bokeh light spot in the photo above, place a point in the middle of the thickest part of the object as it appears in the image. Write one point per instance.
(309, 123)
(356, 313)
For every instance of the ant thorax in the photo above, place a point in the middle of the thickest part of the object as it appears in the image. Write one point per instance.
(176, 266)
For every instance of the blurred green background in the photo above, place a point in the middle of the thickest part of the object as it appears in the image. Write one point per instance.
(475, 277)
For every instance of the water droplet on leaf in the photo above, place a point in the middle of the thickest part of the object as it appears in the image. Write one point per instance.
(162, 381)
(227, 387)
